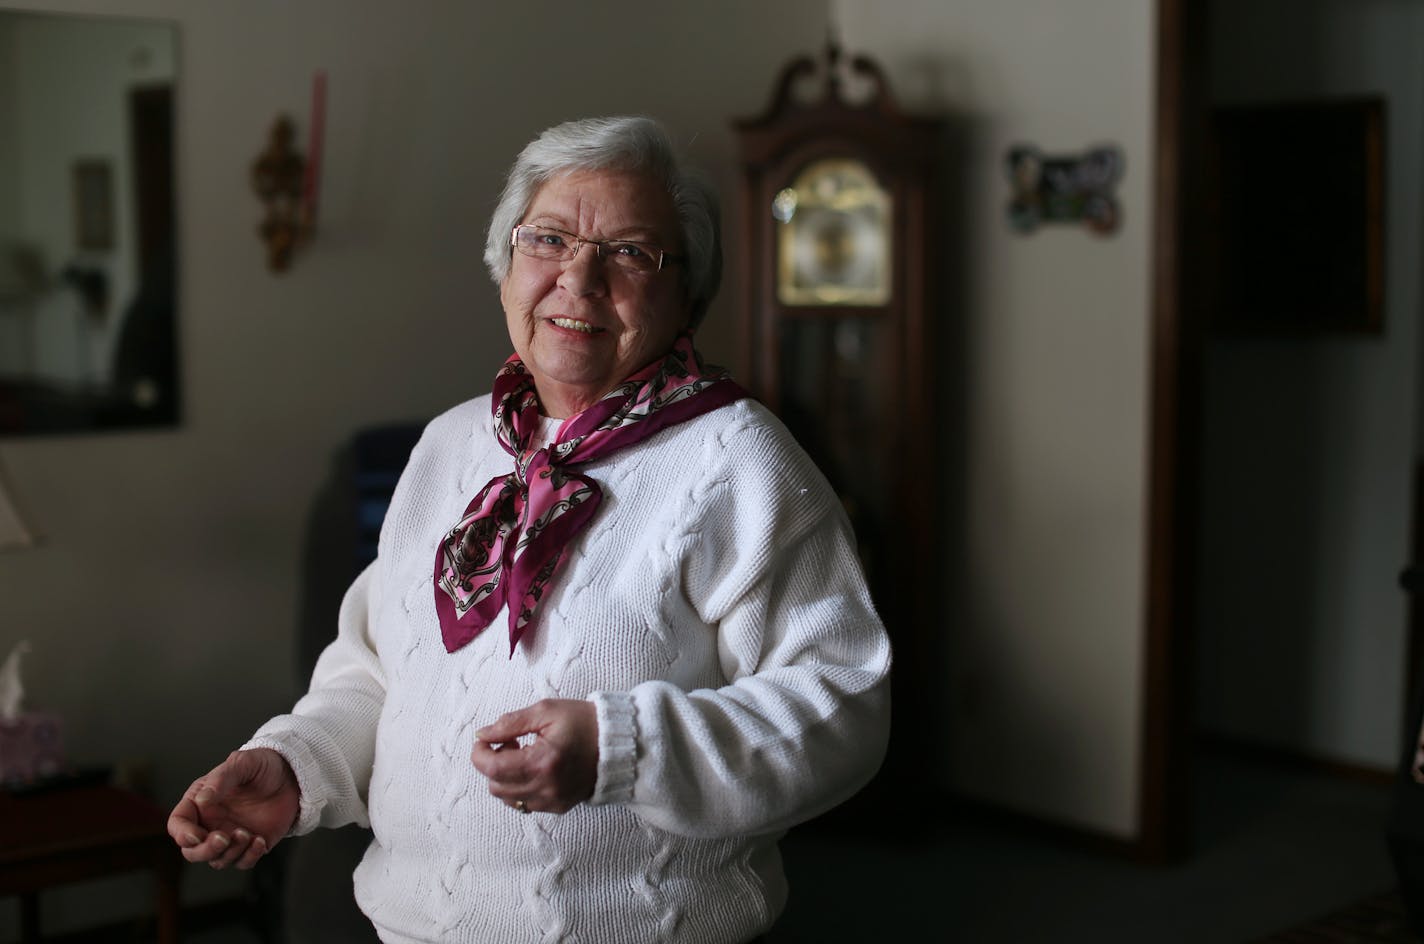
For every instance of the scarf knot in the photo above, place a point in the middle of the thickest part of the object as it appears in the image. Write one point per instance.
(516, 531)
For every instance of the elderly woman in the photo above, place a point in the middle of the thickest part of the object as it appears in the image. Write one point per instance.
(616, 640)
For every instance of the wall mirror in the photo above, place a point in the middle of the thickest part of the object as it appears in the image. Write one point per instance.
(88, 300)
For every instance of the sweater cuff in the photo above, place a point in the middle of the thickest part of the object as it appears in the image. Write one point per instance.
(617, 747)
(304, 766)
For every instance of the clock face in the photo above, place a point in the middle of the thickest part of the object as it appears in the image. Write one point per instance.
(834, 238)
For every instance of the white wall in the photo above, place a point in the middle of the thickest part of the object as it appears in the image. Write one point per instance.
(163, 605)
(1309, 443)
(1044, 642)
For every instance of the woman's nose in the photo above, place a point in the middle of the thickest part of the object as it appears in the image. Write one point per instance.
(583, 274)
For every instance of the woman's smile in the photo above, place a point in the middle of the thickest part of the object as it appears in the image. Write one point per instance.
(573, 324)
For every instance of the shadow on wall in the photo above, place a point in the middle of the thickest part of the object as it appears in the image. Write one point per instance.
(1264, 536)
(952, 291)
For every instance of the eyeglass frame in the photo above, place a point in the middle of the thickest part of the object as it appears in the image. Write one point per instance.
(664, 257)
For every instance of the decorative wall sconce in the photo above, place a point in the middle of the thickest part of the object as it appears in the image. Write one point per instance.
(1077, 189)
(288, 183)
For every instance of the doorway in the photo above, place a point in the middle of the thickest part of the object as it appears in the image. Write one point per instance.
(1281, 463)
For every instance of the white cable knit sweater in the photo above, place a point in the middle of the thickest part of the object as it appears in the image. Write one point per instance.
(715, 613)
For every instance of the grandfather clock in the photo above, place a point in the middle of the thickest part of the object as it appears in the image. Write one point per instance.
(837, 199)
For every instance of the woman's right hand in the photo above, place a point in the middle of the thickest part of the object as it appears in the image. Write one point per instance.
(238, 811)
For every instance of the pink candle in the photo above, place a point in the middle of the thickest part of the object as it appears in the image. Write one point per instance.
(311, 185)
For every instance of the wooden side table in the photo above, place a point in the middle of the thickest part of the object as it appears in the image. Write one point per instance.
(70, 834)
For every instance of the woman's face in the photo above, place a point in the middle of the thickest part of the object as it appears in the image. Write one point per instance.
(583, 326)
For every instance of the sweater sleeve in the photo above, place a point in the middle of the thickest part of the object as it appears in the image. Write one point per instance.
(770, 562)
(329, 738)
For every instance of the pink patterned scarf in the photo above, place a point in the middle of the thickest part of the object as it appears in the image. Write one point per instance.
(514, 534)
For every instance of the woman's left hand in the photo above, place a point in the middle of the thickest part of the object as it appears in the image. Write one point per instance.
(553, 774)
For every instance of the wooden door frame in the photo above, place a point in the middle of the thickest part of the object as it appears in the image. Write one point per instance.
(1173, 451)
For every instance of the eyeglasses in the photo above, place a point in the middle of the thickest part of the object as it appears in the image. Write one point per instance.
(555, 245)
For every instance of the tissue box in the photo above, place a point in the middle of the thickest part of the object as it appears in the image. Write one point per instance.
(31, 747)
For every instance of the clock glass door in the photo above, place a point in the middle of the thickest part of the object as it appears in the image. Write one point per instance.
(836, 394)
(834, 238)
